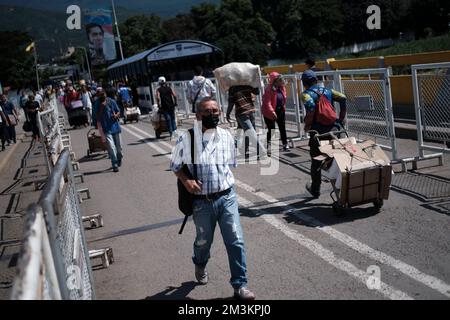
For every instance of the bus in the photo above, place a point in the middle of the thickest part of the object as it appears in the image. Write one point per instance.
(174, 60)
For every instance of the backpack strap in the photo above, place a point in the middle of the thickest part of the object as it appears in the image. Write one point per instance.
(191, 133)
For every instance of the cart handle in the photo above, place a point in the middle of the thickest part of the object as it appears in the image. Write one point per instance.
(331, 134)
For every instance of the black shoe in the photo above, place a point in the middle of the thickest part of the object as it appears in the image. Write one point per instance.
(116, 169)
(314, 193)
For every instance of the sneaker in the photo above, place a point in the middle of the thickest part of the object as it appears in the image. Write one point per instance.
(116, 169)
(201, 275)
(243, 293)
(315, 195)
(286, 148)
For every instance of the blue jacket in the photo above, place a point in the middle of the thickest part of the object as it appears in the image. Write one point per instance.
(109, 124)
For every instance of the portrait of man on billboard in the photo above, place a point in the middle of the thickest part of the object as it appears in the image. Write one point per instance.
(100, 36)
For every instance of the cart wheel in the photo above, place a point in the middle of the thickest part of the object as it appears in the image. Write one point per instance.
(338, 210)
(378, 204)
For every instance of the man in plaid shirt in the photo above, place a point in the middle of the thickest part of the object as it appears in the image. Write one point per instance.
(215, 198)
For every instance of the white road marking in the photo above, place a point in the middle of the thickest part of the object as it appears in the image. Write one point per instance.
(327, 255)
(427, 280)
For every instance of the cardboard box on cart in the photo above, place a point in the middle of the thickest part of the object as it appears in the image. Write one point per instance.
(363, 173)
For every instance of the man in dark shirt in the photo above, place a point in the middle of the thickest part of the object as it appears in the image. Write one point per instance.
(167, 100)
(242, 97)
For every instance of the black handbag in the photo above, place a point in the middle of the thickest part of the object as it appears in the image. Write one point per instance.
(27, 127)
(185, 198)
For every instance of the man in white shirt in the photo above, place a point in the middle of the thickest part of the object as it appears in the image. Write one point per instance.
(215, 200)
(198, 88)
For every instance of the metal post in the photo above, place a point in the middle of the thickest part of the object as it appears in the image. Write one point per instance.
(390, 112)
(117, 29)
(418, 112)
(87, 62)
(36, 64)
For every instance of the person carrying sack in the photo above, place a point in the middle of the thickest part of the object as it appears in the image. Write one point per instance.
(320, 118)
(198, 88)
(214, 199)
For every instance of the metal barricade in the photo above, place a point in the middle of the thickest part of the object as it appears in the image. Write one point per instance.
(369, 103)
(431, 85)
(59, 201)
(36, 277)
(50, 133)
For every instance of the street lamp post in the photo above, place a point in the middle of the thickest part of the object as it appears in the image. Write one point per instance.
(117, 29)
(87, 62)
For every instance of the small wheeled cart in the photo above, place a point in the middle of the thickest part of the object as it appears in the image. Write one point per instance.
(360, 173)
(95, 142)
(159, 124)
(130, 113)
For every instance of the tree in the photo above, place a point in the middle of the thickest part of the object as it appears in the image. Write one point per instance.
(180, 28)
(16, 65)
(237, 29)
(140, 33)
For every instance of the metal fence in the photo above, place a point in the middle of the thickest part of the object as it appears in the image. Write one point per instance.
(69, 275)
(36, 277)
(49, 130)
(369, 103)
(431, 85)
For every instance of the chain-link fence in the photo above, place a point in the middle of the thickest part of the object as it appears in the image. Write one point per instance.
(59, 201)
(431, 85)
(50, 133)
(369, 103)
(69, 275)
(36, 277)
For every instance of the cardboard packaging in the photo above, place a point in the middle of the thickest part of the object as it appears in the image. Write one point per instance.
(360, 172)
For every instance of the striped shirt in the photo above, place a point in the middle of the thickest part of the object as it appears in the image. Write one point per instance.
(213, 163)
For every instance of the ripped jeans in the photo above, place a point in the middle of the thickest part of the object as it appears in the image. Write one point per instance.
(223, 211)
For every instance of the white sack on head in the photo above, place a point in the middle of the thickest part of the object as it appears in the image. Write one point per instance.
(238, 74)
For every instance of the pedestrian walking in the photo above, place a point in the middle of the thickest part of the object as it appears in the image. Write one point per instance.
(87, 101)
(167, 101)
(12, 116)
(32, 108)
(241, 99)
(198, 88)
(215, 199)
(274, 108)
(320, 118)
(3, 128)
(107, 119)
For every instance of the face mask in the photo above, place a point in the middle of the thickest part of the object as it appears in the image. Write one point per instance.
(210, 121)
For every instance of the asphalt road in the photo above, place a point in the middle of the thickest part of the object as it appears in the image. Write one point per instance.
(296, 248)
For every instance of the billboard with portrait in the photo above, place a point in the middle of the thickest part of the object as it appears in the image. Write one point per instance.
(99, 31)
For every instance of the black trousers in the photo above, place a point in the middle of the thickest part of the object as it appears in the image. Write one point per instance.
(314, 151)
(3, 134)
(281, 122)
(316, 174)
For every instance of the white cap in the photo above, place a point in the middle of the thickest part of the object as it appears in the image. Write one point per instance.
(162, 80)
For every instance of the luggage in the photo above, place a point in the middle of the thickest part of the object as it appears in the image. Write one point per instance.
(95, 142)
(238, 74)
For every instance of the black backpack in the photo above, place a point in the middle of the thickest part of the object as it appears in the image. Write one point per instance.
(185, 198)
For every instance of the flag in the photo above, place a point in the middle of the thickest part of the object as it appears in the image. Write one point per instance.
(30, 47)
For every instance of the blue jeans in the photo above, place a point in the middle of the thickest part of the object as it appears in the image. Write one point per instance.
(114, 148)
(224, 211)
(170, 119)
(247, 122)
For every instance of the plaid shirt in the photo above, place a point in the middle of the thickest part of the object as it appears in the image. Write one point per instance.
(213, 162)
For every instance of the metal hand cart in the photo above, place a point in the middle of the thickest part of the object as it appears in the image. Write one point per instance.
(367, 183)
(95, 142)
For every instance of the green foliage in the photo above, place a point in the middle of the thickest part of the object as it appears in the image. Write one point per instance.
(16, 65)
(140, 33)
